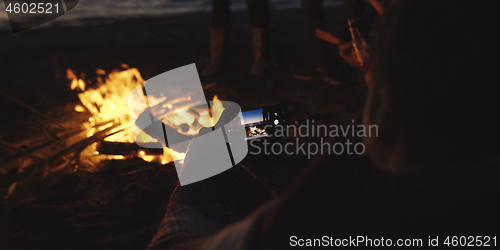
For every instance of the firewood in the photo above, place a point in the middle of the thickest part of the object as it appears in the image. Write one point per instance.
(65, 134)
(121, 148)
(14, 176)
(26, 152)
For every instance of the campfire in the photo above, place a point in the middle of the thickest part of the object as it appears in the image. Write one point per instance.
(107, 104)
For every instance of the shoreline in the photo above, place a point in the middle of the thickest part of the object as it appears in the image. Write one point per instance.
(99, 12)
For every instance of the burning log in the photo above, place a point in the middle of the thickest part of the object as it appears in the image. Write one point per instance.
(120, 148)
(14, 176)
(66, 134)
(36, 138)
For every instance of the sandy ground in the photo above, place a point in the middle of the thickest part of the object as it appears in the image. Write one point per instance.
(102, 210)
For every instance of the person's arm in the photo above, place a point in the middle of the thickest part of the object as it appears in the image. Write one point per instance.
(329, 37)
(197, 213)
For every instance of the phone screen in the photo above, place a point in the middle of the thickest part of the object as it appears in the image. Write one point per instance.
(264, 121)
(253, 120)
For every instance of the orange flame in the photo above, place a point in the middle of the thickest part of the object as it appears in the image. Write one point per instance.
(217, 110)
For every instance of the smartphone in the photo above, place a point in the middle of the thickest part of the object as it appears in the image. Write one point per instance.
(264, 122)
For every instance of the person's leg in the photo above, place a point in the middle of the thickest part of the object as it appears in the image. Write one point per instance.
(315, 18)
(221, 22)
(260, 21)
